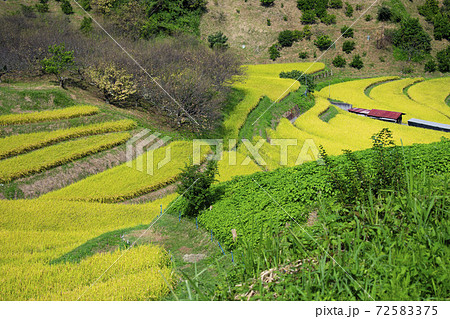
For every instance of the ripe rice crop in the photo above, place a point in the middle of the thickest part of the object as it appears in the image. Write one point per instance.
(124, 182)
(264, 80)
(232, 164)
(34, 232)
(352, 92)
(55, 155)
(18, 144)
(432, 93)
(391, 96)
(66, 113)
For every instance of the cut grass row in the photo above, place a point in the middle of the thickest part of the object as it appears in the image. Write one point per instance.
(18, 144)
(55, 155)
(52, 115)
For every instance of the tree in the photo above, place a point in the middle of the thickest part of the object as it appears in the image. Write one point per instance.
(430, 66)
(195, 187)
(443, 59)
(441, 24)
(328, 19)
(218, 40)
(357, 62)
(412, 39)
(384, 14)
(339, 62)
(59, 61)
(307, 33)
(348, 46)
(66, 7)
(267, 3)
(347, 32)
(115, 83)
(323, 42)
(274, 52)
(286, 38)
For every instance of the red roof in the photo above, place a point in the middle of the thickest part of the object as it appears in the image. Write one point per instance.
(359, 111)
(385, 114)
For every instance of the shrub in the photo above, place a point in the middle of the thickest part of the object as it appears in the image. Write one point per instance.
(307, 32)
(85, 4)
(443, 59)
(303, 55)
(218, 40)
(42, 6)
(359, 7)
(297, 35)
(328, 19)
(268, 22)
(285, 18)
(305, 5)
(267, 3)
(441, 26)
(323, 42)
(407, 69)
(357, 62)
(384, 14)
(286, 38)
(308, 17)
(348, 9)
(86, 25)
(347, 32)
(430, 66)
(66, 7)
(335, 4)
(27, 11)
(429, 9)
(195, 187)
(368, 17)
(348, 46)
(274, 52)
(339, 62)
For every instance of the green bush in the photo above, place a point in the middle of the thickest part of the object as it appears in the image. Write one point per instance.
(27, 11)
(307, 33)
(339, 62)
(368, 17)
(348, 9)
(308, 17)
(430, 66)
(443, 59)
(194, 185)
(348, 46)
(347, 32)
(303, 55)
(286, 38)
(66, 7)
(42, 6)
(274, 52)
(268, 22)
(357, 62)
(412, 39)
(86, 25)
(441, 26)
(328, 19)
(218, 40)
(323, 42)
(429, 9)
(335, 4)
(85, 4)
(267, 3)
(384, 14)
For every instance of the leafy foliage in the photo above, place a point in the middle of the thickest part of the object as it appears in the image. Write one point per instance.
(347, 32)
(348, 46)
(59, 61)
(286, 38)
(412, 39)
(443, 59)
(274, 52)
(66, 7)
(357, 62)
(430, 66)
(348, 9)
(384, 13)
(86, 25)
(267, 3)
(339, 61)
(335, 4)
(429, 9)
(323, 42)
(441, 26)
(195, 186)
(218, 40)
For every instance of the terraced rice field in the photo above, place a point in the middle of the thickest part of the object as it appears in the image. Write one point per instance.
(263, 80)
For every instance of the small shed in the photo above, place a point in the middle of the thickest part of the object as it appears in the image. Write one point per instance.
(359, 111)
(429, 125)
(388, 116)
